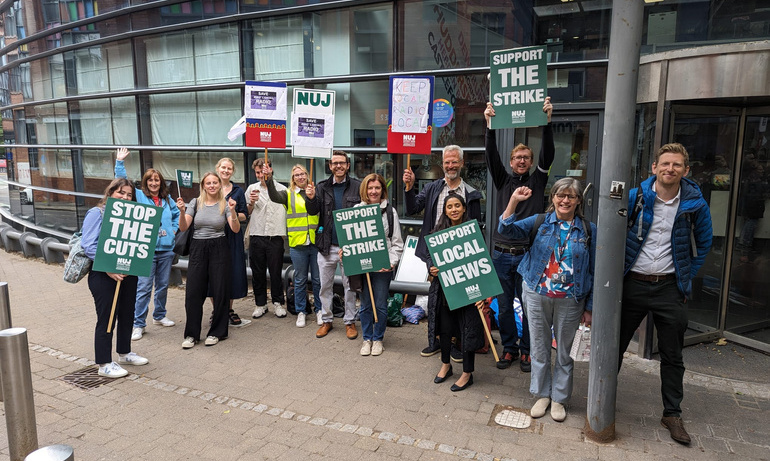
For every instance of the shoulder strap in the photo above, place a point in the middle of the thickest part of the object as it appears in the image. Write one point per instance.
(539, 220)
(638, 205)
(389, 213)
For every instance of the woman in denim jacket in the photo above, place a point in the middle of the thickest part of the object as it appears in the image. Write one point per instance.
(558, 273)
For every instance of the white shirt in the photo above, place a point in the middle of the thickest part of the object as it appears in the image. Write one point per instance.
(267, 219)
(655, 256)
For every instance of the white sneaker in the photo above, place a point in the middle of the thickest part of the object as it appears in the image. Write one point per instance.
(301, 320)
(539, 408)
(211, 340)
(259, 312)
(188, 342)
(558, 412)
(319, 319)
(136, 333)
(280, 311)
(132, 359)
(366, 349)
(165, 321)
(377, 348)
(112, 370)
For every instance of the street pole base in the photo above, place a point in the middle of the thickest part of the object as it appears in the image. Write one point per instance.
(606, 435)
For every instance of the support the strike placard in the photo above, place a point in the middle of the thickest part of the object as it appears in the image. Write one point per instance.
(312, 123)
(410, 115)
(361, 237)
(465, 268)
(127, 239)
(518, 85)
(265, 111)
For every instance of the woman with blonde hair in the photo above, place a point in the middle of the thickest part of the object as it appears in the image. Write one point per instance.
(225, 169)
(300, 229)
(209, 264)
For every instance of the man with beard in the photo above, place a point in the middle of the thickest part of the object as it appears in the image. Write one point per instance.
(431, 199)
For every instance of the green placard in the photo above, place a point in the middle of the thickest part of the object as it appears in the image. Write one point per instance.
(465, 268)
(184, 178)
(518, 85)
(361, 236)
(127, 239)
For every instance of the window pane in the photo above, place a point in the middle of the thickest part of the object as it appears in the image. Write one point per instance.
(124, 125)
(94, 119)
(217, 112)
(104, 68)
(174, 120)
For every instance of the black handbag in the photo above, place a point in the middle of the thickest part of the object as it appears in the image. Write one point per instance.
(183, 239)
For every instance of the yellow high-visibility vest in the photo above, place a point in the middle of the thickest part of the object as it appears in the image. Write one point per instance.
(298, 224)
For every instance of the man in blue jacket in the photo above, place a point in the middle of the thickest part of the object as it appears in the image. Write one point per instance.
(668, 237)
(431, 199)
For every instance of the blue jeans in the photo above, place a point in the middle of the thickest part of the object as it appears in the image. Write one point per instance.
(305, 257)
(380, 286)
(161, 269)
(505, 266)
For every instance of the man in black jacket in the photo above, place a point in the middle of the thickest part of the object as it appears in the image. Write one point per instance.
(431, 199)
(336, 192)
(507, 253)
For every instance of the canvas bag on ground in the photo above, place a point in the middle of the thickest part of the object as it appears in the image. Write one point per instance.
(581, 345)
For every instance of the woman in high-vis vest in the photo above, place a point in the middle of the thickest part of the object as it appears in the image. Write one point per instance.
(301, 228)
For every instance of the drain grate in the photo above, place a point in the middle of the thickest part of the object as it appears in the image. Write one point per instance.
(88, 378)
(516, 418)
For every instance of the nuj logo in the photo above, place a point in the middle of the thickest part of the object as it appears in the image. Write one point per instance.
(265, 136)
(314, 99)
(410, 140)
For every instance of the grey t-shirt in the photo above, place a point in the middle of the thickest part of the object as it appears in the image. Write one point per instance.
(208, 222)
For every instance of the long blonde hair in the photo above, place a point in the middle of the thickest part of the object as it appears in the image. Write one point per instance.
(292, 185)
(204, 194)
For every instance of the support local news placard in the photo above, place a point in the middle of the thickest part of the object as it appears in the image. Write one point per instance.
(127, 239)
(410, 115)
(264, 106)
(361, 236)
(465, 268)
(518, 84)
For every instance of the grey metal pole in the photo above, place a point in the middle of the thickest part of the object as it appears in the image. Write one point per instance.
(17, 388)
(618, 145)
(5, 314)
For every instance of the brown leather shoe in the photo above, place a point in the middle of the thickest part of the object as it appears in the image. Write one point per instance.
(675, 426)
(350, 331)
(323, 330)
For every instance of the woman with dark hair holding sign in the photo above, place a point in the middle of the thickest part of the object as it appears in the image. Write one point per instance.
(209, 264)
(103, 285)
(464, 322)
(374, 191)
(154, 191)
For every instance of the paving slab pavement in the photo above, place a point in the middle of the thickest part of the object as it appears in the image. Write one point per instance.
(275, 391)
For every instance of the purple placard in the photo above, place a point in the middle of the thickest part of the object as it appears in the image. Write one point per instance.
(311, 127)
(264, 100)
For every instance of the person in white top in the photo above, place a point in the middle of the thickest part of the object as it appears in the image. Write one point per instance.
(267, 230)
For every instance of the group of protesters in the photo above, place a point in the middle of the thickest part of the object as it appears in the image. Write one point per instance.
(543, 257)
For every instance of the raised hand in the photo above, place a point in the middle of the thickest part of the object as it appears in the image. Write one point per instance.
(121, 153)
(489, 112)
(548, 107)
(408, 178)
(310, 190)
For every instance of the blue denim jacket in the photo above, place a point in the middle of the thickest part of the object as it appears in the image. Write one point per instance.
(535, 261)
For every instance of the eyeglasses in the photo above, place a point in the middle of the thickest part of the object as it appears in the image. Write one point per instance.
(519, 158)
(571, 197)
(338, 163)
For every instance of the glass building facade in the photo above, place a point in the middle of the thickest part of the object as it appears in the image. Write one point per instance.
(166, 79)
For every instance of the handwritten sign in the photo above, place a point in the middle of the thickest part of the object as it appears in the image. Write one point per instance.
(410, 115)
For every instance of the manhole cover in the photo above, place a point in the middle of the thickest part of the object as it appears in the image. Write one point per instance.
(87, 378)
(508, 416)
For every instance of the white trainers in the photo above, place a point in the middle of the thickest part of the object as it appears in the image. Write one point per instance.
(188, 342)
(112, 370)
(377, 348)
(259, 312)
(366, 349)
(538, 409)
(132, 359)
(136, 333)
(165, 321)
(301, 320)
(280, 311)
(211, 340)
(558, 412)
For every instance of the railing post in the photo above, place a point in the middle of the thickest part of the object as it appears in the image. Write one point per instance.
(16, 378)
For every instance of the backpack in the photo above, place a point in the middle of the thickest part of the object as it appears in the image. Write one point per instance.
(78, 265)
(388, 211)
(540, 219)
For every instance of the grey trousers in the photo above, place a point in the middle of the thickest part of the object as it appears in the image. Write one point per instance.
(327, 266)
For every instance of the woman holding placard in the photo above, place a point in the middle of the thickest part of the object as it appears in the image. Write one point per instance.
(558, 272)
(464, 322)
(103, 286)
(154, 191)
(209, 264)
(238, 287)
(374, 191)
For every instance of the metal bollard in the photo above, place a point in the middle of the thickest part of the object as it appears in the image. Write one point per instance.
(5, 315)
(52, 453)
(17, 390)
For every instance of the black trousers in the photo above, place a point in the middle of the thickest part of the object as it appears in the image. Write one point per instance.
(103, 290)
(669, 312)
(448, 325)
(208, 269)
(266, 254)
